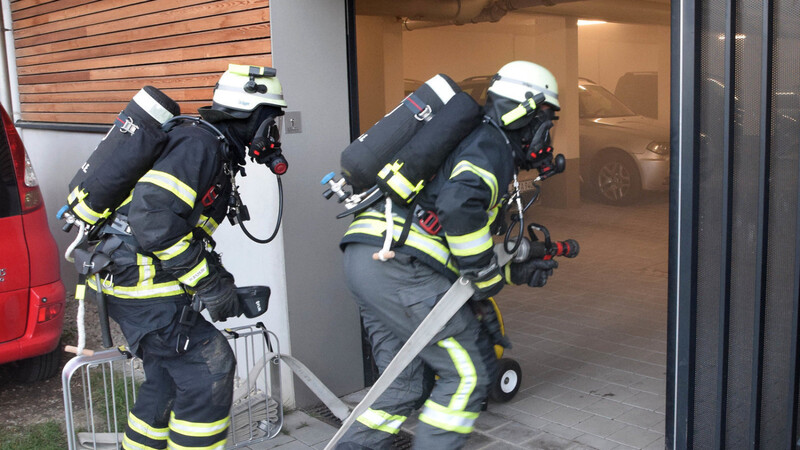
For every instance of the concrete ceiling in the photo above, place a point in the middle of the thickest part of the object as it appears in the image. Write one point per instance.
(655, 12)
(471, 11)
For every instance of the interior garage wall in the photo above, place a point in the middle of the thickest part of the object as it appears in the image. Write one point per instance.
(481, 49)
(309, 52)
(608, 51)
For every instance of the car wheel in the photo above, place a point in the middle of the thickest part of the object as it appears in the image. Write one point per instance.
(509, 378)
(616, 180)
(38, 368)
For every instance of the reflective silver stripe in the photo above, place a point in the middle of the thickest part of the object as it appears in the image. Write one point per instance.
(441, 87)
(148, 291)
(187, 428)
(466, 371)
(87, 214)
(445, 419)
(545, 91)
(488, 178)
(152, 107)
(375, 226)
(194, 275)
(239, 90)
(146, 269)
(470, 244)
(174, 249)
(381, 420)
(171, 184)
(143, 428)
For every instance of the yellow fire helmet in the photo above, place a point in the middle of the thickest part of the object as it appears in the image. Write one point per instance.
(241, 89)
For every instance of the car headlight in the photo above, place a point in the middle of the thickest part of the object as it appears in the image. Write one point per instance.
(659, 148)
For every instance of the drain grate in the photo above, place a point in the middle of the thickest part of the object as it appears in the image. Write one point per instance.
(402, 441)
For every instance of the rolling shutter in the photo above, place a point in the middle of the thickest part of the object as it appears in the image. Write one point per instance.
(81, 61)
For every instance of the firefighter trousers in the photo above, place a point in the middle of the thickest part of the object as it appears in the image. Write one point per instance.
(393, 298)
(186, 399)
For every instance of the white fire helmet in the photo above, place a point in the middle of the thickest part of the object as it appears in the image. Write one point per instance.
(520, 82)
(242, 89)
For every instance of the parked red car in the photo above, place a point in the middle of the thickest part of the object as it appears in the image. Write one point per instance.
(31, 291)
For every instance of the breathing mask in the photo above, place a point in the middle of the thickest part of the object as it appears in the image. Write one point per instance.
(265, 148)
(535, 142)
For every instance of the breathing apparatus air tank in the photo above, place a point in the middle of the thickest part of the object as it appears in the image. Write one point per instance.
(367, 155)
(419, 159)
(124, 155)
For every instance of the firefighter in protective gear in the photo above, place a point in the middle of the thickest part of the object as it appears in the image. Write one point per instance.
(394, 296)
(163, 255)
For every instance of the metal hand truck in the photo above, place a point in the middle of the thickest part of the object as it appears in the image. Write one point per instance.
(108, 382)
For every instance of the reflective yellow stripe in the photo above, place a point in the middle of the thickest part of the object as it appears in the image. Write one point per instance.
(507, 274)
(82, 210)
(146, 269)
(466, 371)
(80, 292)
(447, 419)
(197, 273)
(486, 283)
(128, 444)
(143, 428)
(155, 290)
(171, 184)
(174, 249)
(197, 429)
(399, 183)
(471, 243)
(381, 420)
(372, 223)
(126, 201)
(487, 177)
(208, 224)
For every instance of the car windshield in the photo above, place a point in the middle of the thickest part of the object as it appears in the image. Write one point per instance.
(595, 101)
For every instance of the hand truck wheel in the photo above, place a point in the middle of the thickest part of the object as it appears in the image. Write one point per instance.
(509, 378)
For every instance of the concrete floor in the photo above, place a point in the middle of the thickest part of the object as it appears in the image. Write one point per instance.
(591, 344)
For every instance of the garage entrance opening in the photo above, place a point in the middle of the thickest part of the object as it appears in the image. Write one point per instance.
(592, 343)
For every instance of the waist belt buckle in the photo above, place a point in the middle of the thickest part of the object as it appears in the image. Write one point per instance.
(429, 222)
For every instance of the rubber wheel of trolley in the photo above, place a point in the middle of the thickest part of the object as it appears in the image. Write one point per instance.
(509, 378)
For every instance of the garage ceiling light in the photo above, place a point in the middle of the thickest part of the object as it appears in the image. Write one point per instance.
(582, 22)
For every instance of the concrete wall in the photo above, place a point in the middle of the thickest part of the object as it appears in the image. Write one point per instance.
(608, 51)
(308, 42)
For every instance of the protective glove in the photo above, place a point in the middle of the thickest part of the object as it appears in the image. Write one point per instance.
(533, 272)
(218, 294)
(486, 281)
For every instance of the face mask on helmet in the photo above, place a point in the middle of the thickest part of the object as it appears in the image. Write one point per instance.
(536, 146)
(265, 148)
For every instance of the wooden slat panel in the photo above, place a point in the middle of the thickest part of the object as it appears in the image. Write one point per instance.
(93, 13)
(203, 66)
(17, 5)
(169, 30)
(180, 54)
(181, 81)
(134, 16)
(99, 107)
(99, 54)
(44, 8)
(89, 118)
(81, 62)
(134, 23)
(179, 95)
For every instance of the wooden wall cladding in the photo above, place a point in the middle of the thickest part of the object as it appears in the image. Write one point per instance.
(81, 61)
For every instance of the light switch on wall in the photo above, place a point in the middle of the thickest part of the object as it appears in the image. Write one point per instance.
(293, 122)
